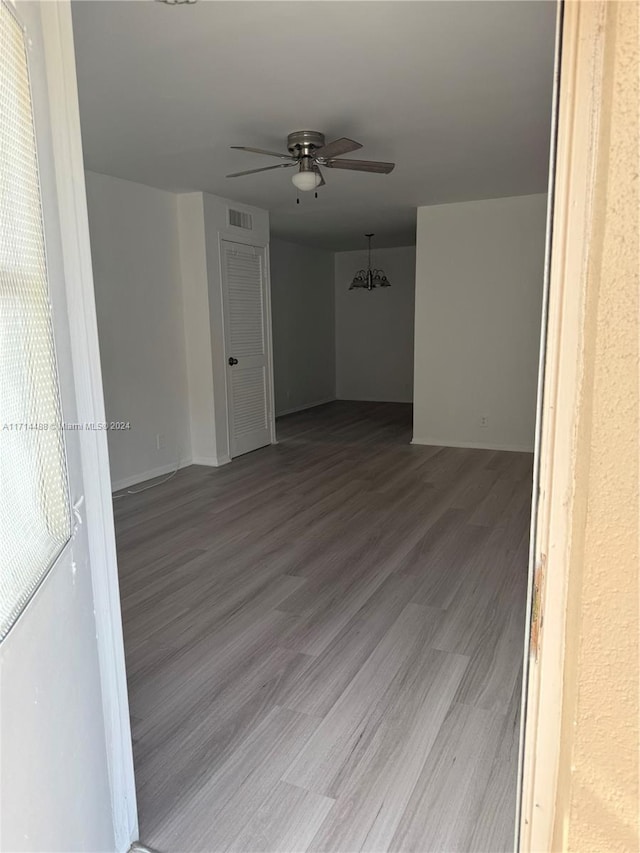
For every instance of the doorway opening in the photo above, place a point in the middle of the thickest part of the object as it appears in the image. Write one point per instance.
(325, 637)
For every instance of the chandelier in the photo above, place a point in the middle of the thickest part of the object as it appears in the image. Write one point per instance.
(369, 278)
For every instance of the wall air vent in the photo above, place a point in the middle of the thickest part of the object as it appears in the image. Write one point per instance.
(239, 219)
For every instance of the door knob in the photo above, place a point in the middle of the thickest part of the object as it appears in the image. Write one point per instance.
(233, 361)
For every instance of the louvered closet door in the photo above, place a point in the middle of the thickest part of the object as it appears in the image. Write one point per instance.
(246, 346)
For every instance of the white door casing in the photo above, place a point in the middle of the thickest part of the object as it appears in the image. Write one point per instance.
(581, 106)
(66, 773)
(247, 346)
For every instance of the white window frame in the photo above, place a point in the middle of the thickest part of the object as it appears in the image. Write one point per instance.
(57, 34)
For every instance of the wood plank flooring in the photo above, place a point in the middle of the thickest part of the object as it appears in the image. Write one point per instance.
(324, 642)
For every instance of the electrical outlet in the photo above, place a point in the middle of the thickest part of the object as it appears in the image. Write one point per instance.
(159, 441)
(484, 420)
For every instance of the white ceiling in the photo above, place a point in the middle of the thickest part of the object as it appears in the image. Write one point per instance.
(458, 94)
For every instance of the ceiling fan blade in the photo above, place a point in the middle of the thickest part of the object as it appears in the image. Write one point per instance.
(336, 148)
(362, 165)
(322, 180)
(264, 169)
(262, 151)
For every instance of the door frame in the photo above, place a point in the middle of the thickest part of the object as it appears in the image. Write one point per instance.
(579, 112)
(580, 103)
(224, 237)
(57, 34)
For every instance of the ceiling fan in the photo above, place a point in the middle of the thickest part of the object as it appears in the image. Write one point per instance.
(307, 152)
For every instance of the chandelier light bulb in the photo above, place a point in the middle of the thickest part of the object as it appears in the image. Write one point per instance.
(306, 180)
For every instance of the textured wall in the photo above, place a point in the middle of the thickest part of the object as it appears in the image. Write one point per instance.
(598, 808)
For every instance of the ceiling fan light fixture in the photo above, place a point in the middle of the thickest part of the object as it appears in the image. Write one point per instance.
(306, 180)
(309, 151)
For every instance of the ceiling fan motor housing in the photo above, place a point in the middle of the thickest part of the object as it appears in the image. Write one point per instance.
(302, 143)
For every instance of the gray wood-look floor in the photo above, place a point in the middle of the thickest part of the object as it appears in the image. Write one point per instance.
(324, 642)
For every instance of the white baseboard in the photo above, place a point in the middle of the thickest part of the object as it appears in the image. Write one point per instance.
(305, 407)
(211, 461)
(373, 400)
(143, 476)
(134, 479)
(475, 445)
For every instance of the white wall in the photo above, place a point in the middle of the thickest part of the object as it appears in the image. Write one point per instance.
(302, 306)
(156, 264)
(374, 329)
(197, 327)
(479, 283)
(136, 267)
